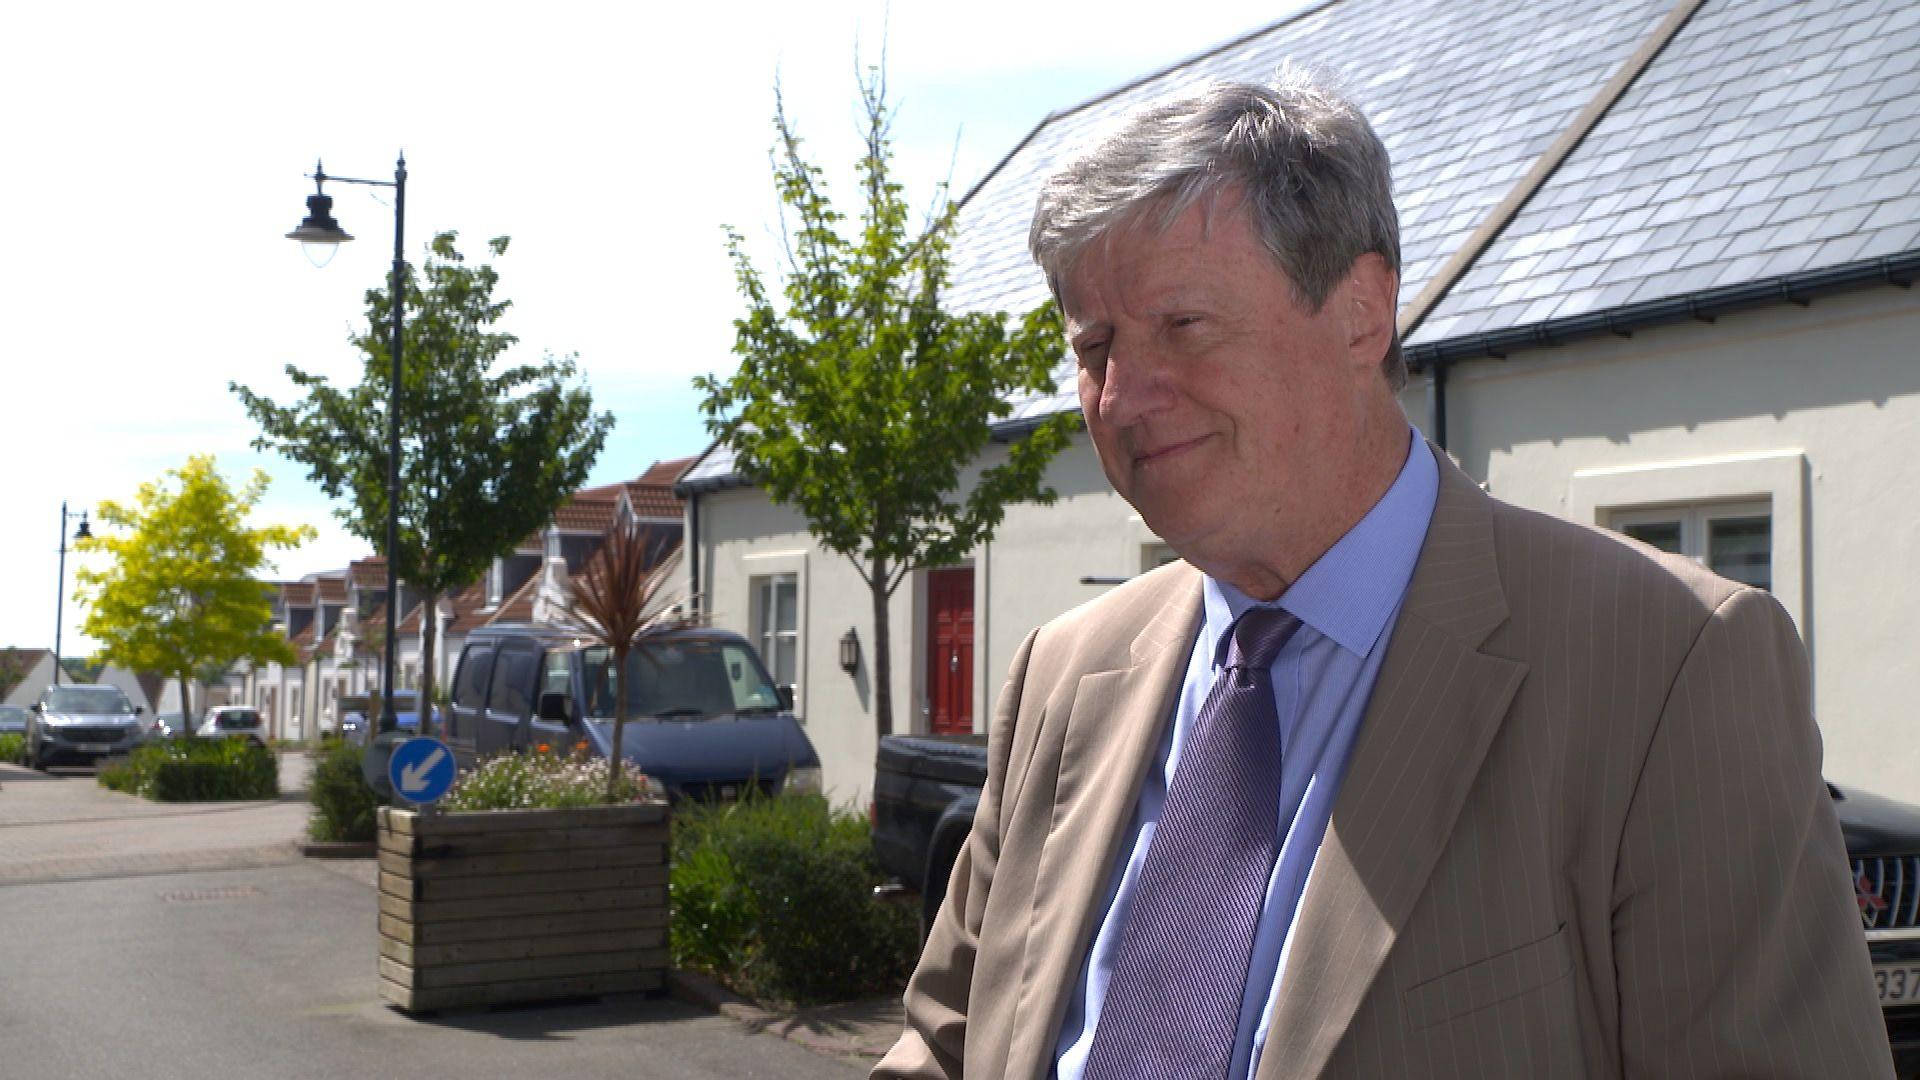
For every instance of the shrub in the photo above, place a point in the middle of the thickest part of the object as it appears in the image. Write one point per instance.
(196, 770)
(539, 782)
(774, 896)
(13, 749)
(343, 804)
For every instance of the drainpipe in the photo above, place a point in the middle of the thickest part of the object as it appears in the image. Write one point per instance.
(693, 553)
(1440, 403)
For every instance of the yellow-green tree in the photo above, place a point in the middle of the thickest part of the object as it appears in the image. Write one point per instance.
(182, 593)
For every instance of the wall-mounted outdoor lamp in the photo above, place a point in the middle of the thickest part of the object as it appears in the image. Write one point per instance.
(849, 651)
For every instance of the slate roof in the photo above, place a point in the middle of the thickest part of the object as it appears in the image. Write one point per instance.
(1769, 138)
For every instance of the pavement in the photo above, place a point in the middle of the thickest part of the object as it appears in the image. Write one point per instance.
(64, 827)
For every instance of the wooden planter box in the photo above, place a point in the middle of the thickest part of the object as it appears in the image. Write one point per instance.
(506, 906)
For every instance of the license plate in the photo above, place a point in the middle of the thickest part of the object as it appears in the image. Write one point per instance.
(95, 747)
(1899, 983)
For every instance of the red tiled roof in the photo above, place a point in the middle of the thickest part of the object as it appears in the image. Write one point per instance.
(650, 500)
(665, 473)
(519, 606)
(332, 588)
(297, 593)
(585, 515)
(302, 642)
(368, 573)
(466, 606)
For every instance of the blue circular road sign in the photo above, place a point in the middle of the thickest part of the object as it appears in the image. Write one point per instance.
(421, 769)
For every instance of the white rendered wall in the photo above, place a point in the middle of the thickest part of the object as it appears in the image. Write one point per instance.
(1816, 410)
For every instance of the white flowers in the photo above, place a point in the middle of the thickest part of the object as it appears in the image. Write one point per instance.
(540, 781)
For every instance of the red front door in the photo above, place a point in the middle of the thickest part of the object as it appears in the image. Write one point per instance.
(950, 650)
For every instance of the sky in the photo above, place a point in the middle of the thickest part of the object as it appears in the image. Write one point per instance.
(158, 155)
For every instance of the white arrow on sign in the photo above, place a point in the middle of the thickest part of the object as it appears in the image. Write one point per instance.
(414, 777)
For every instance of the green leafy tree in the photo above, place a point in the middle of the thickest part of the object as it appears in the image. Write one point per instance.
(183, 593)
(863, 400)
(487, 453)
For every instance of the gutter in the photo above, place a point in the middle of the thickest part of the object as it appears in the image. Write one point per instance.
(1705, 306)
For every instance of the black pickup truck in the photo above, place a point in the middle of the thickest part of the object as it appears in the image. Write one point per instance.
(927, 787)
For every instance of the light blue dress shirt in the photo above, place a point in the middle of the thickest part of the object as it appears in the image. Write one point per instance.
(1347, 603)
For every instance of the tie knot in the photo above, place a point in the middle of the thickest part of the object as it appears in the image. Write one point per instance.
(1258, 636)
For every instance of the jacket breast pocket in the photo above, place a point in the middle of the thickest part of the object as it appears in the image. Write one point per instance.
(1491, 981)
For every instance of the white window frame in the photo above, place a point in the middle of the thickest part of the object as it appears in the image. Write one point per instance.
(1155, 555)
(1777, 478)
(1695, 521)
(760, 570)
(767, 589)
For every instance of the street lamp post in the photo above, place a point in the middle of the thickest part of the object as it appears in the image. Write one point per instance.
(60, 593)
(320, 232)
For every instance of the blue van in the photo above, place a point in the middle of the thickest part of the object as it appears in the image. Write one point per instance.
(703, 716)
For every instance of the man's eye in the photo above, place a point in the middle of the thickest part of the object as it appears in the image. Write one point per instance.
(1092, 355)
(1180, 321)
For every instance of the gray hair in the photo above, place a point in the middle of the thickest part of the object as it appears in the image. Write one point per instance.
(1318, 181)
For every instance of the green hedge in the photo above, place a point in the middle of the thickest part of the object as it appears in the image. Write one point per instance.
(343, 804)
(196, 770)
(774, 896)
(13, 749)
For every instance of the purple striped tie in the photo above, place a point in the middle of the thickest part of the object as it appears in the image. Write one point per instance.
(1173, 1000)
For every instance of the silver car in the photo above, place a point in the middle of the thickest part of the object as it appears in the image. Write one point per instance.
(234, 722)
(80, 724)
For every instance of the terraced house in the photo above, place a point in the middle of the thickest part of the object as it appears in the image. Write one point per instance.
(336, 619)
(1657, 277)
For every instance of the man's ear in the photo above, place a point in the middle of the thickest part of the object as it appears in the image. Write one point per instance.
(1372, 289)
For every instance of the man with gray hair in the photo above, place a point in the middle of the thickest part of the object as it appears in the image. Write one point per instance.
(1387, 778)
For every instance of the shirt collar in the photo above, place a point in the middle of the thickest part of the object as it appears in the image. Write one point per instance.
(1353, 589)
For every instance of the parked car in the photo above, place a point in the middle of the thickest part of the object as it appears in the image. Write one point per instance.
(233, 722)
(927, 787)
(168, 724)
(704, 718)
(13, 719)
(82, 723)
(358, 713)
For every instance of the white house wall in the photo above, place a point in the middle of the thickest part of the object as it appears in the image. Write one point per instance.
(1815, 410)
(1028, 574)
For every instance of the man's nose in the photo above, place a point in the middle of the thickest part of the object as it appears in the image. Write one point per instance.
(1135, 385)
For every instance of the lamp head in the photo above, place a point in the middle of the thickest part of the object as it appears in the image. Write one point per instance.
(319, 235)
(83, 533)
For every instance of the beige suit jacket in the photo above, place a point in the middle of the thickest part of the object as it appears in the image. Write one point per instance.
(1582, 832)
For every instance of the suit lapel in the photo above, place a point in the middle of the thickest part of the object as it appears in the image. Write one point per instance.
(1434, 711)
(1115, 723)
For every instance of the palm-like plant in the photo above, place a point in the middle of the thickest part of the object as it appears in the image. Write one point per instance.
(620, 598)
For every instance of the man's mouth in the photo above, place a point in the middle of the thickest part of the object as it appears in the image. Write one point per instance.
(1164, 452)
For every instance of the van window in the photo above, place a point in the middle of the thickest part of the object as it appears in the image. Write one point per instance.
(512, 681)
(470, 691)
(685, 678)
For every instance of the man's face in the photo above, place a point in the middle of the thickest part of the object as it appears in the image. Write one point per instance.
(1234, 420)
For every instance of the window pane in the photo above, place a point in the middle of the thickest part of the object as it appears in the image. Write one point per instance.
(1741, 549)
(786, 593)
(471, 693)
(1664, 535)
(512, 680)
(783, 657)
